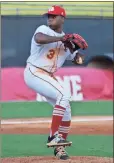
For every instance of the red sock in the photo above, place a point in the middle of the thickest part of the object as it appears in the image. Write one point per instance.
(64, 128)
(58, 113)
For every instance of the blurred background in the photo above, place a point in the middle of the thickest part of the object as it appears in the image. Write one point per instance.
(92, 20)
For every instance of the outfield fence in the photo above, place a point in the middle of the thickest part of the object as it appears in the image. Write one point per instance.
(86, 9)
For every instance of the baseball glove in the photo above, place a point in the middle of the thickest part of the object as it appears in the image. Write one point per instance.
(74, 42)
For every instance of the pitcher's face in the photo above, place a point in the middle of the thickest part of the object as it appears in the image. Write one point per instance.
(55, 21)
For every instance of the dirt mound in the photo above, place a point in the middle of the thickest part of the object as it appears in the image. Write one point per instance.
(78, 159)
(94, 125)
(80, 125)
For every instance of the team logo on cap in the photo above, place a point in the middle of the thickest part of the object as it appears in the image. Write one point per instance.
(51, 9)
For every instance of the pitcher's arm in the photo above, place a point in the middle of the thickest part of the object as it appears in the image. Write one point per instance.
(41, 38)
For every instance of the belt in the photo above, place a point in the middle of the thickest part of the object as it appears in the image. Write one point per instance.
(38, 69)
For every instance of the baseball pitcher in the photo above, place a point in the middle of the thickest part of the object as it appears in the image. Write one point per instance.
(50, 47)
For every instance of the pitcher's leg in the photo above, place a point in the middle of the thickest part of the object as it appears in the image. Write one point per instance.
(63, 130)
(48, 87)
(66, 120)
(61, 112)
(64, 127)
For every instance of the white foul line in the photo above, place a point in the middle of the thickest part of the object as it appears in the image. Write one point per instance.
(13, 122)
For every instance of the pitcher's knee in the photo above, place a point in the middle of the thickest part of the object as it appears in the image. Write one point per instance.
(64, 100)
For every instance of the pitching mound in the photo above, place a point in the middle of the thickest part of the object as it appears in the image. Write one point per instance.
(78, 159)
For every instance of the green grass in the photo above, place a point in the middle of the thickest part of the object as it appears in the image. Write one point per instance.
(72, 8)
(43, 109)
(35, 145)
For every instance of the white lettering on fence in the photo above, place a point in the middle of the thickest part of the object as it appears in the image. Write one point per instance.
(70, 83)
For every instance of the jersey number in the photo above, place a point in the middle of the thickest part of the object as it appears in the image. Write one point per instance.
(50, 54)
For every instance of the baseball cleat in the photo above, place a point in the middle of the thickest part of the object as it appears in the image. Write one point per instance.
(60, 153)
(57, 140)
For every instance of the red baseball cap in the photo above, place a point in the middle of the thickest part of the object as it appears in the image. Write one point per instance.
(56, 10)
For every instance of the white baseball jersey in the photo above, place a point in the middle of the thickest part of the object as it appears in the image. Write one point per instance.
(49, 56)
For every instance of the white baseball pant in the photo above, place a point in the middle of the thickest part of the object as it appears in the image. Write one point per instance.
(48, 87)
